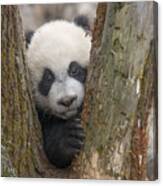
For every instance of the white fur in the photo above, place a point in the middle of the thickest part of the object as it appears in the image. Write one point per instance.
(70, 87)
(55, 45)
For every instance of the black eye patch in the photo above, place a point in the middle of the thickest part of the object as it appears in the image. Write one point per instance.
(76, 71)
(46, 82)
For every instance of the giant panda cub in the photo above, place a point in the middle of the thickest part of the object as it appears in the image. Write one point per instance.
(57, 57)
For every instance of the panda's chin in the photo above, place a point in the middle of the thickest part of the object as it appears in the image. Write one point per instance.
(67, 114)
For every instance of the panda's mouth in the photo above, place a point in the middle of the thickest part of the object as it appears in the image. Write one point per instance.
(69, 112)
(66, 114)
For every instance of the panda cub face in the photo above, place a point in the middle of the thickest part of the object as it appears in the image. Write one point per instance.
(57, 58)
(63, 90)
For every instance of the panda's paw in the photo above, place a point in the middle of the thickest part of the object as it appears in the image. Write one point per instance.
(75, 136)
(66, 144)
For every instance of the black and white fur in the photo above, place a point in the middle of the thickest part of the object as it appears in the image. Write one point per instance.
(57, 58)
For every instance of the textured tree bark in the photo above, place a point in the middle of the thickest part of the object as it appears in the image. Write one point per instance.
(121, 92)
(22, 153)
(19, 124)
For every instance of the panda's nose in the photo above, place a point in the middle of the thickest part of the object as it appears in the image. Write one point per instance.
(67, 101)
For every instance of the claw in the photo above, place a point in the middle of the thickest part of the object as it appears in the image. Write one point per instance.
(77, 119)
(76, 144)
(75, 126)
(78, 135)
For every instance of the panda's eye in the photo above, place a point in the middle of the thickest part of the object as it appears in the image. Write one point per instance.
(48, 75)
(46, 82)
(76, 71)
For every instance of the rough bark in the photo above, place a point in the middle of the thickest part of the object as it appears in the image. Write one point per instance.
(121, 91)
(22, 153)
(18, 121)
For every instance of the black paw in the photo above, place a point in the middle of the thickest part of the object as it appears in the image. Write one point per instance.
(74, 137)
(66, 143)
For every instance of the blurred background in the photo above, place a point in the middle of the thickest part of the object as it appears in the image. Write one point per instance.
(35, 15)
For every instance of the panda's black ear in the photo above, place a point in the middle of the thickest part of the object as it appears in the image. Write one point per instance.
(83, 22)
(28, 37)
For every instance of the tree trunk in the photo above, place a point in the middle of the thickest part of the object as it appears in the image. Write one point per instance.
(22, 152)
(121, 93)
(19, 124)
(118, 104)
